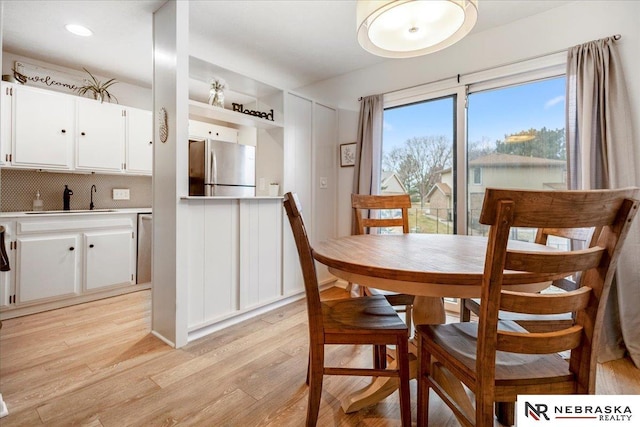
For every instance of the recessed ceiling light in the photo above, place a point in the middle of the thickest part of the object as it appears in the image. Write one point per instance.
(79, 30)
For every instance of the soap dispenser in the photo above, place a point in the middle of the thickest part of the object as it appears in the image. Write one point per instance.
(37, 202)
(66, 198)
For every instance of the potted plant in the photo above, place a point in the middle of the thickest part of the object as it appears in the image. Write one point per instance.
(99, 89)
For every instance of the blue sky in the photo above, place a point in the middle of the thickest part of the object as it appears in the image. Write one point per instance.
(492, 114)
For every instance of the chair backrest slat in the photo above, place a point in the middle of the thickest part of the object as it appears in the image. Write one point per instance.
(609, 213)
(545, 304)
(559, 262)
(364, 202)
(539, 343)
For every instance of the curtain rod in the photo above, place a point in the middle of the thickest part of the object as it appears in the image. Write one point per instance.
(457, 76)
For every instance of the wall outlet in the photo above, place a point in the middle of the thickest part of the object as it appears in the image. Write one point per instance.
(120, 194)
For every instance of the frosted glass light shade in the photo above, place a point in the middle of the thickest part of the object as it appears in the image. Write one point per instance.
(408, 28)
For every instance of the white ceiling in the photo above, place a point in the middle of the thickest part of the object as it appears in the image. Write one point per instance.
(309, 40)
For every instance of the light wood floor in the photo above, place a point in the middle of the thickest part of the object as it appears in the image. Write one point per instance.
(97, 364)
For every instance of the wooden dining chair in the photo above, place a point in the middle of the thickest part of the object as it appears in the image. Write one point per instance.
(356, 321)
(363, 205)
(579, 238)
(529, 363)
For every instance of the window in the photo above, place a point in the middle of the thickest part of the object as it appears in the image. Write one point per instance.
(477, 176)
(417, 158)
(516, 138)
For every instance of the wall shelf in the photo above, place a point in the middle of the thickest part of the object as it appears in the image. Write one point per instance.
(201, 110)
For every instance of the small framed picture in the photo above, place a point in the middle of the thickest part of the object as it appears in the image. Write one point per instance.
(348, 154)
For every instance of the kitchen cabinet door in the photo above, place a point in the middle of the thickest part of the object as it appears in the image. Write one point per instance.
(7, 289)
(6, 125)
(209, 130)
(47, 266)
(43, 128)
(101, 136)
(109, 258)
(139, 141)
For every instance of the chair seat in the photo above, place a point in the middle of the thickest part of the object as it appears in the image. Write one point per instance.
(512, 370)
(361, 316)
(394, 298)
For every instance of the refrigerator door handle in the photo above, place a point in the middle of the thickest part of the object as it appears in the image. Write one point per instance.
(208, 164)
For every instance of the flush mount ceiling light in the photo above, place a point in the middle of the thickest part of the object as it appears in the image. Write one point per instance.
(404, 29)
(78, 30)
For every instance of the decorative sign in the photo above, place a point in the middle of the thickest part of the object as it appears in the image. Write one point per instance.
(261, 114)
(38, 76)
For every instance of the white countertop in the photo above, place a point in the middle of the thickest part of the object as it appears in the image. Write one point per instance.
(107, 211)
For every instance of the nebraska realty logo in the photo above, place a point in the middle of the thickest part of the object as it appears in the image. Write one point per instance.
(577, 410)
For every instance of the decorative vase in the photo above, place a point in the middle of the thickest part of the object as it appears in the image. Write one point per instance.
(274, 189)
(216, 98)
(98, 97)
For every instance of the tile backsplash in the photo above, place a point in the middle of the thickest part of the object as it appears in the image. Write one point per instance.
(18, 189)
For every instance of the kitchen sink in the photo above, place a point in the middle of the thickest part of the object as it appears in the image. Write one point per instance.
(71, 211)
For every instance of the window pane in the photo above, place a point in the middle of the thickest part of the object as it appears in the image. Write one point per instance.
(516, 139)
(417, 158)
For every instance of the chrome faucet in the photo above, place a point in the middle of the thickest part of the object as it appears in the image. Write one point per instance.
(93, 190)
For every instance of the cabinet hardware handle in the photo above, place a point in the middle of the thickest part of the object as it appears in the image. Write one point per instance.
(72, 248)
(150, 142)
(209, 132)
(82, 133)
(91, 245)
(64, 131)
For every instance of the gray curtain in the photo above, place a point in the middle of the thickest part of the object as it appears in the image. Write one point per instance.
(366, 176)
(602, 153)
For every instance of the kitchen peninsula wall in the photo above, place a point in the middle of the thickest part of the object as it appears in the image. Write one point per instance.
(19, 187)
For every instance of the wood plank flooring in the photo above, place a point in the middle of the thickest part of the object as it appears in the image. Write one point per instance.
(96, 364)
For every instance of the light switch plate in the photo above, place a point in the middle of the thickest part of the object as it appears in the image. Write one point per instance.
(120, 194)
(323, 182)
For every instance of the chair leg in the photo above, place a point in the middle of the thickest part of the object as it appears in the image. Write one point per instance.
(465, 313)
(484, 411)
(424, 370)
(316, 374)
(505, 411)
(380, 356)
(402, 357)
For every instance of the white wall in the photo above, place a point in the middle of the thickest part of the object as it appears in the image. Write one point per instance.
(552, 31)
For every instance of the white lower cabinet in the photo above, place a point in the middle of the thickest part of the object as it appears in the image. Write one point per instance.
(47, 266)
(7, 289)
(58, 259)
(109, 258)
(235, 257)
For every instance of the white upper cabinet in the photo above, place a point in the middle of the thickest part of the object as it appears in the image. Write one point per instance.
(101, 136)
(199, 129)
(43, 128)
(139, 141)
(6, 125)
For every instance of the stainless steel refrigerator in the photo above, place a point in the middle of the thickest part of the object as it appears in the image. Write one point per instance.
(218, 168)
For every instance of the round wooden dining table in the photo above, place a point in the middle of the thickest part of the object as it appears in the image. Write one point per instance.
(429, 266)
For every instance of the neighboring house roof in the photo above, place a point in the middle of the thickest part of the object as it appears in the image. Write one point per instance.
(388, 176)
(442, 187)
(505, 160)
